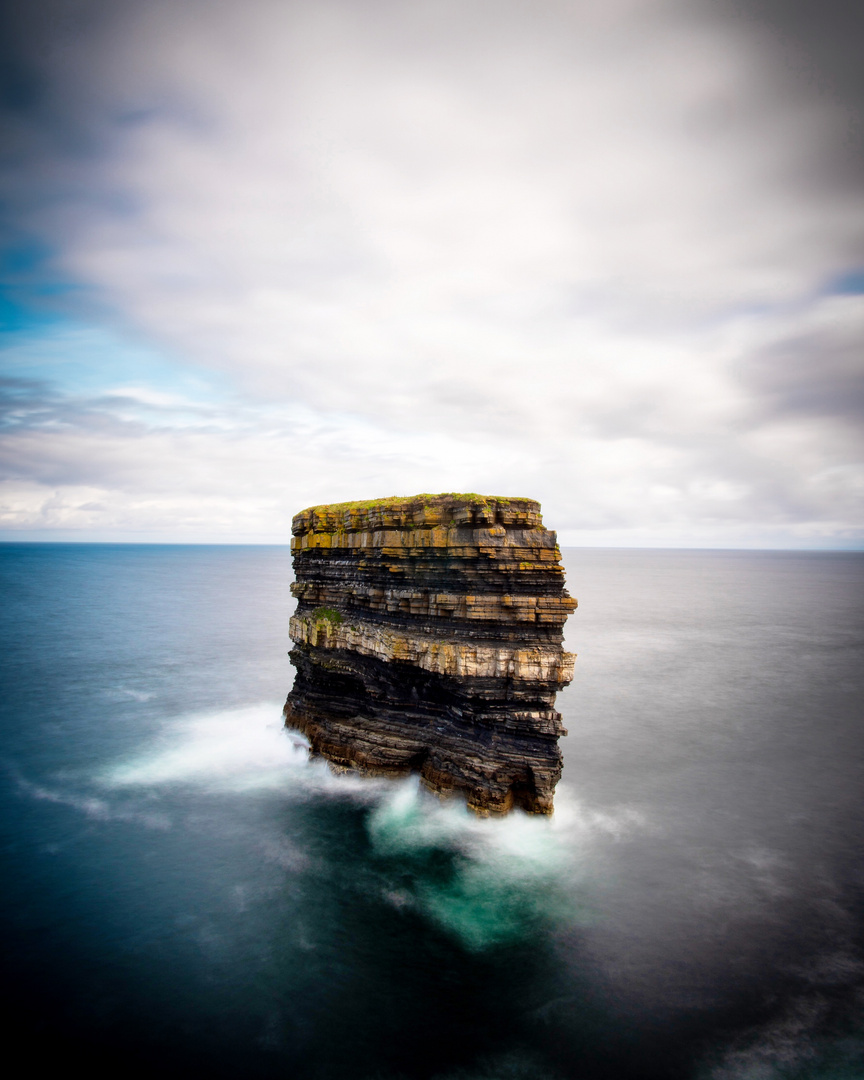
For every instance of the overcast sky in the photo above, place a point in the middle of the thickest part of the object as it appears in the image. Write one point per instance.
(266, 254)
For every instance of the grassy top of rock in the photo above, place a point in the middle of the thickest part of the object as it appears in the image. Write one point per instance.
(412, 511)
(444, 498)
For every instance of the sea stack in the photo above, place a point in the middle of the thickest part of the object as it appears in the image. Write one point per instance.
(428, 638)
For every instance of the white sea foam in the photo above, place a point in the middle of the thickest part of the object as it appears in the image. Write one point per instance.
(235, 750)
(119, 693)
(93, 807)
(409, 817)
(246, 749)
(510, 870)
(249, 748)
(506, 872)
(225, 749)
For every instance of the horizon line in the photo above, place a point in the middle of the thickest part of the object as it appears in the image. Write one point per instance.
(834, 549)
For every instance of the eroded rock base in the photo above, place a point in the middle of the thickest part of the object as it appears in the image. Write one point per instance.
(386, 719)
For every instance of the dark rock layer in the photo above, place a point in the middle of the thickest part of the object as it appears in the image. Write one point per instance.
(428, 638)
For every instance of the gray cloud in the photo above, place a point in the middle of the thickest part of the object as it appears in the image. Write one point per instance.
(815, 371)
(815, 49)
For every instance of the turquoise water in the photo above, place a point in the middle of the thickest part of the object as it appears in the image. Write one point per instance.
(185, 892)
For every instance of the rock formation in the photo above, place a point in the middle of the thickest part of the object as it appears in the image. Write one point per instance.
(428, 638)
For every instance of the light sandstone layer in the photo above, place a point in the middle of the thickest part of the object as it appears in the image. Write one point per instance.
(428, 637)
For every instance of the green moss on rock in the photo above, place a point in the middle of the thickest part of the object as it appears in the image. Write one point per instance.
(326, 614)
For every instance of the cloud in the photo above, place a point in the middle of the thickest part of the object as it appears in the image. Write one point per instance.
(814, 368)
(580, 252)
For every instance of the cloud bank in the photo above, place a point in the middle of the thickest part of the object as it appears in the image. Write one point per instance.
(264, 256)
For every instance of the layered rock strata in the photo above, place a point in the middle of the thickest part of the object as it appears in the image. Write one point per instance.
(428, 638)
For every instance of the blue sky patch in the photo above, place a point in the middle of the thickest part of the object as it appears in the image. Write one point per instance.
(850, 283)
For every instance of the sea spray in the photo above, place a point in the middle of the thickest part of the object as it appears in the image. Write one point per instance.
(235, 750)
(488, 881)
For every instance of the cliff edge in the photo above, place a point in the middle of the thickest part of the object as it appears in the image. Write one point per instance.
(428, 638)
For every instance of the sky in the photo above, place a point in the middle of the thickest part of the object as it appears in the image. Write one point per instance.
(259, 256)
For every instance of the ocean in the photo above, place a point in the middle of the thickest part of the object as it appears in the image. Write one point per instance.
(185, 893)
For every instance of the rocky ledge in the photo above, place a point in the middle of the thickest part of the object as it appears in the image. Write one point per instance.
(428, 638)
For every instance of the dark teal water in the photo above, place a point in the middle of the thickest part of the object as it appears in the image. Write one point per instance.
(183, 892)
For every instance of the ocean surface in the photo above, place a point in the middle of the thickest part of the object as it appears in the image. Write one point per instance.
(184, 893)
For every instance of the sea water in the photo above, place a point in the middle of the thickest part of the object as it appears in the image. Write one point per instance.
(183, 891)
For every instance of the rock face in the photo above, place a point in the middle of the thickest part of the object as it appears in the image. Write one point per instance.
(428, 638)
